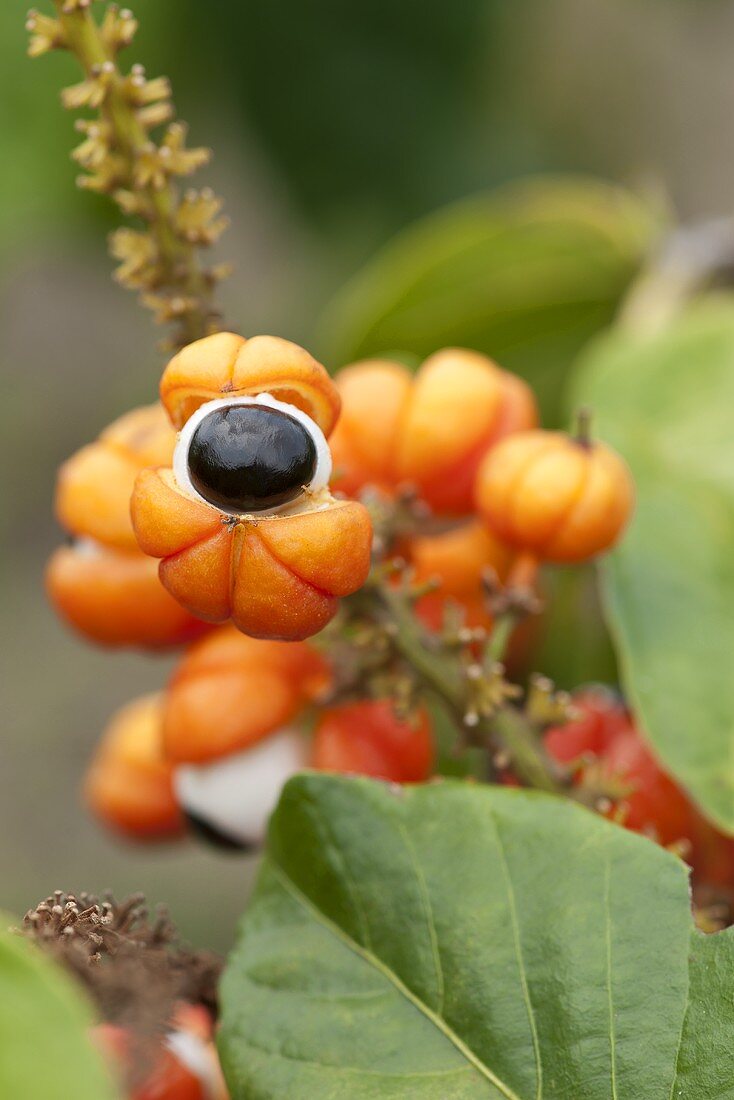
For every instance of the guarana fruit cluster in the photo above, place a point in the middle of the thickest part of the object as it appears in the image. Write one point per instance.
(232, 518)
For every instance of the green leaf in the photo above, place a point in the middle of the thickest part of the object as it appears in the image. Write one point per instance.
(45, 1051)
(665, 402)
(526, 274)
(706, 1058)
(458, 940)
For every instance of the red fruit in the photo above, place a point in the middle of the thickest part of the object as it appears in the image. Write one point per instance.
(168, 1079)
(655, 805)
(600, 718)
(366, 738)
(713, 855)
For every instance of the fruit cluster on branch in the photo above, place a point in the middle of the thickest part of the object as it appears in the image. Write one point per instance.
(407, 530)
(381, 573)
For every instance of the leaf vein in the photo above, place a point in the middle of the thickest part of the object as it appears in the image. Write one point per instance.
(610, 995)
(519, 955)
(351, 885)
(438, 1021)
(430, 920)
(339, 1068)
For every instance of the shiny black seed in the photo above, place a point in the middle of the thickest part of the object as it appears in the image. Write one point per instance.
(249, 458)
(212, 835)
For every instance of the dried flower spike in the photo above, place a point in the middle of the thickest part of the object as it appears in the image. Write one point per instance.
(160, 258)
(156, 999)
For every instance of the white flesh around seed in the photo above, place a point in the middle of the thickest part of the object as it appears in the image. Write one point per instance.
(236, 794)
(197, 1056)
(322, 473)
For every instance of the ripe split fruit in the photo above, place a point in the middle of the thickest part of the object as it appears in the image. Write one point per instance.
(243, 519)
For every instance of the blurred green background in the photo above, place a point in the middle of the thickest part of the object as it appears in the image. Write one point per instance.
(334, 126)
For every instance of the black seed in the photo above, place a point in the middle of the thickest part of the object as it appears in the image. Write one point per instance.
(208, 832)
(249, 458)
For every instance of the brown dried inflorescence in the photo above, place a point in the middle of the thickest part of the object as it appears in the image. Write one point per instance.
(134, 966)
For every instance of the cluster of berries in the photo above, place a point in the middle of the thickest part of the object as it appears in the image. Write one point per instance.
(248, 483)
(603, 743)
(239, 717)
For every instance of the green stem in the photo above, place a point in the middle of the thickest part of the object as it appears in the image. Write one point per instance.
(441, 674)
(412, 644)
(530, 760)
(504, 625)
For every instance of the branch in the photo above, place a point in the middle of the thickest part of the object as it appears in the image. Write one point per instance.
(492, 720)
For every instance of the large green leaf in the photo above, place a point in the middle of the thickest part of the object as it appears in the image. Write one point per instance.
(706, 1057)
(45, 1051)
(527, 274)
(666, 402)
(458, 940)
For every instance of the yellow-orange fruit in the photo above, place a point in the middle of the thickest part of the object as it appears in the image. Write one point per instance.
(231, 690)
(227, 365)
(275, 576)
(129, 783)
(430, 430)
(94, 485)
(553, 496)
(457, 559)
(459, 556)
(115, 598)
(374, 396)
(102, 584)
